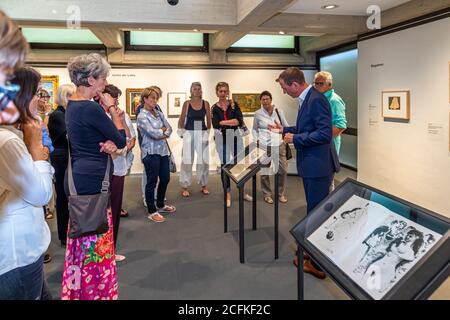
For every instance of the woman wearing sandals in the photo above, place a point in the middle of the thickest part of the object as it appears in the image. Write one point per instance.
(155, 130)
(265, 116)
(226, 120)
(195, 138)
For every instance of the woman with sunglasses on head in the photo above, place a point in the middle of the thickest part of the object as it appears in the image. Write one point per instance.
(25, 187)
(13, 49)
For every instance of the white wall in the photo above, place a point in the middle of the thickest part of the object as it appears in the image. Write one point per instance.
(405, 159)
(179, 80)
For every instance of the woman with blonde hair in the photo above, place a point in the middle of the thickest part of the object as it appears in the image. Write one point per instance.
(227, 118)
(195, 139)
(155, 153)
(59, 157)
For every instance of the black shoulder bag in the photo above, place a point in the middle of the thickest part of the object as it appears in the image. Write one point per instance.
(88, 213)
(288, 148)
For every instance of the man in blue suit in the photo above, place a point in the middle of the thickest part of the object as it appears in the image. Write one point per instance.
(317, 160)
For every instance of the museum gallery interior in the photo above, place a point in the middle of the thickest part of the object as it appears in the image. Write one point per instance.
(225, 150)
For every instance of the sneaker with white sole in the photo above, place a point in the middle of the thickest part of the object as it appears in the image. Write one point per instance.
(248, 197)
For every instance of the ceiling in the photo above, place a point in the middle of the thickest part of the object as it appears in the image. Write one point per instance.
(227, 20)
(346, 7)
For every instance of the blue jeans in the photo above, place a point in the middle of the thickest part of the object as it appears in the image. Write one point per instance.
(156, 166)
(25, 283)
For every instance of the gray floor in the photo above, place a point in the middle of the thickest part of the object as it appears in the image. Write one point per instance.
(189, 256)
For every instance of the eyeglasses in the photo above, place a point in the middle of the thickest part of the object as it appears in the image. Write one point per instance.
(319, 83)
(44, 97)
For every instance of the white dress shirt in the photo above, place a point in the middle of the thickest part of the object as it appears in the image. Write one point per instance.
(25, 187)
(302, 97)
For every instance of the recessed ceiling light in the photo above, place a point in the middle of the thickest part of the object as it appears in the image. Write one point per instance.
(330, 6)
(195, 30)
(282, 32)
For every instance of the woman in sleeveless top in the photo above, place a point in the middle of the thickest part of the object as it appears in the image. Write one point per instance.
(195, 139)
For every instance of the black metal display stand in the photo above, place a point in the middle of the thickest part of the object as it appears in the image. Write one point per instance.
(418, 282)
(253, 169)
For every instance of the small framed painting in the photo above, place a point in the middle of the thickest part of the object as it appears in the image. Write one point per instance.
(249, 103)
(395, 104)
(50, 84)
(133, 100)
(175, 102)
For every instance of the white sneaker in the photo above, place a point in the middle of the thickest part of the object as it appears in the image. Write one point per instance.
(248, 197)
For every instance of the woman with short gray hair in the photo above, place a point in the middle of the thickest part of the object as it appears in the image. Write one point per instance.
(92, 137)
(81, 68)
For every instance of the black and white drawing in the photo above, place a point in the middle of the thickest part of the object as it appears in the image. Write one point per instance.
(372, 245)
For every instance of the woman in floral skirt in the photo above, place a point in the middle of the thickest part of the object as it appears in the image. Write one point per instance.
(90, 267)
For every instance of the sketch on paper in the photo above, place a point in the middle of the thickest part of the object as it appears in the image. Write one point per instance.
(373, 245)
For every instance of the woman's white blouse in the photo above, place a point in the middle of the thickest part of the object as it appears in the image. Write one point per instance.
(25, 187)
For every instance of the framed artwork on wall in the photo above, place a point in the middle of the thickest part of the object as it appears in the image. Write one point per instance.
(133, 100)
(175, 102)
(248, 102)
(395, 104)
(50, 84)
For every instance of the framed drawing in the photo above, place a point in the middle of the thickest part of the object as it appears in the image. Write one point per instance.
(133, 100)
(377, 246)
(248, 102)
(50, 84)
(395, 104)
(175, 102)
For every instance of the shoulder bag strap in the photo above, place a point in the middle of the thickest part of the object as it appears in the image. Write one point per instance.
(72, 189)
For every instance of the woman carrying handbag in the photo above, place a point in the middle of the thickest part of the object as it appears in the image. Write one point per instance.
(90, 266)
(265, 116)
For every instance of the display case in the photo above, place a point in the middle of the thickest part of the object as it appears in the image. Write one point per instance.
(375, 245)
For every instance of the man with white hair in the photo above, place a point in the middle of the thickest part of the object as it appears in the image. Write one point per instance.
(323, 82)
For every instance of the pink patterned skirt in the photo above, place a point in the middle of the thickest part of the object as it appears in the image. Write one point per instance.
(90, 267)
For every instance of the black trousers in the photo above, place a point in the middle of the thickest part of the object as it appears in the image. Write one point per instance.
(117, 185)
(59, 160)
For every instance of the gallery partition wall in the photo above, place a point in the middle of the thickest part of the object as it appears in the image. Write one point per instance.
(342, 63)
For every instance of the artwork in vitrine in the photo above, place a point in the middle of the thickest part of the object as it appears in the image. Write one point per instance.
(373, 245)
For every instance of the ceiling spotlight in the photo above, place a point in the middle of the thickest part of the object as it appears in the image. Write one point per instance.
(196, 30)
(282, 32)
(329, 6)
